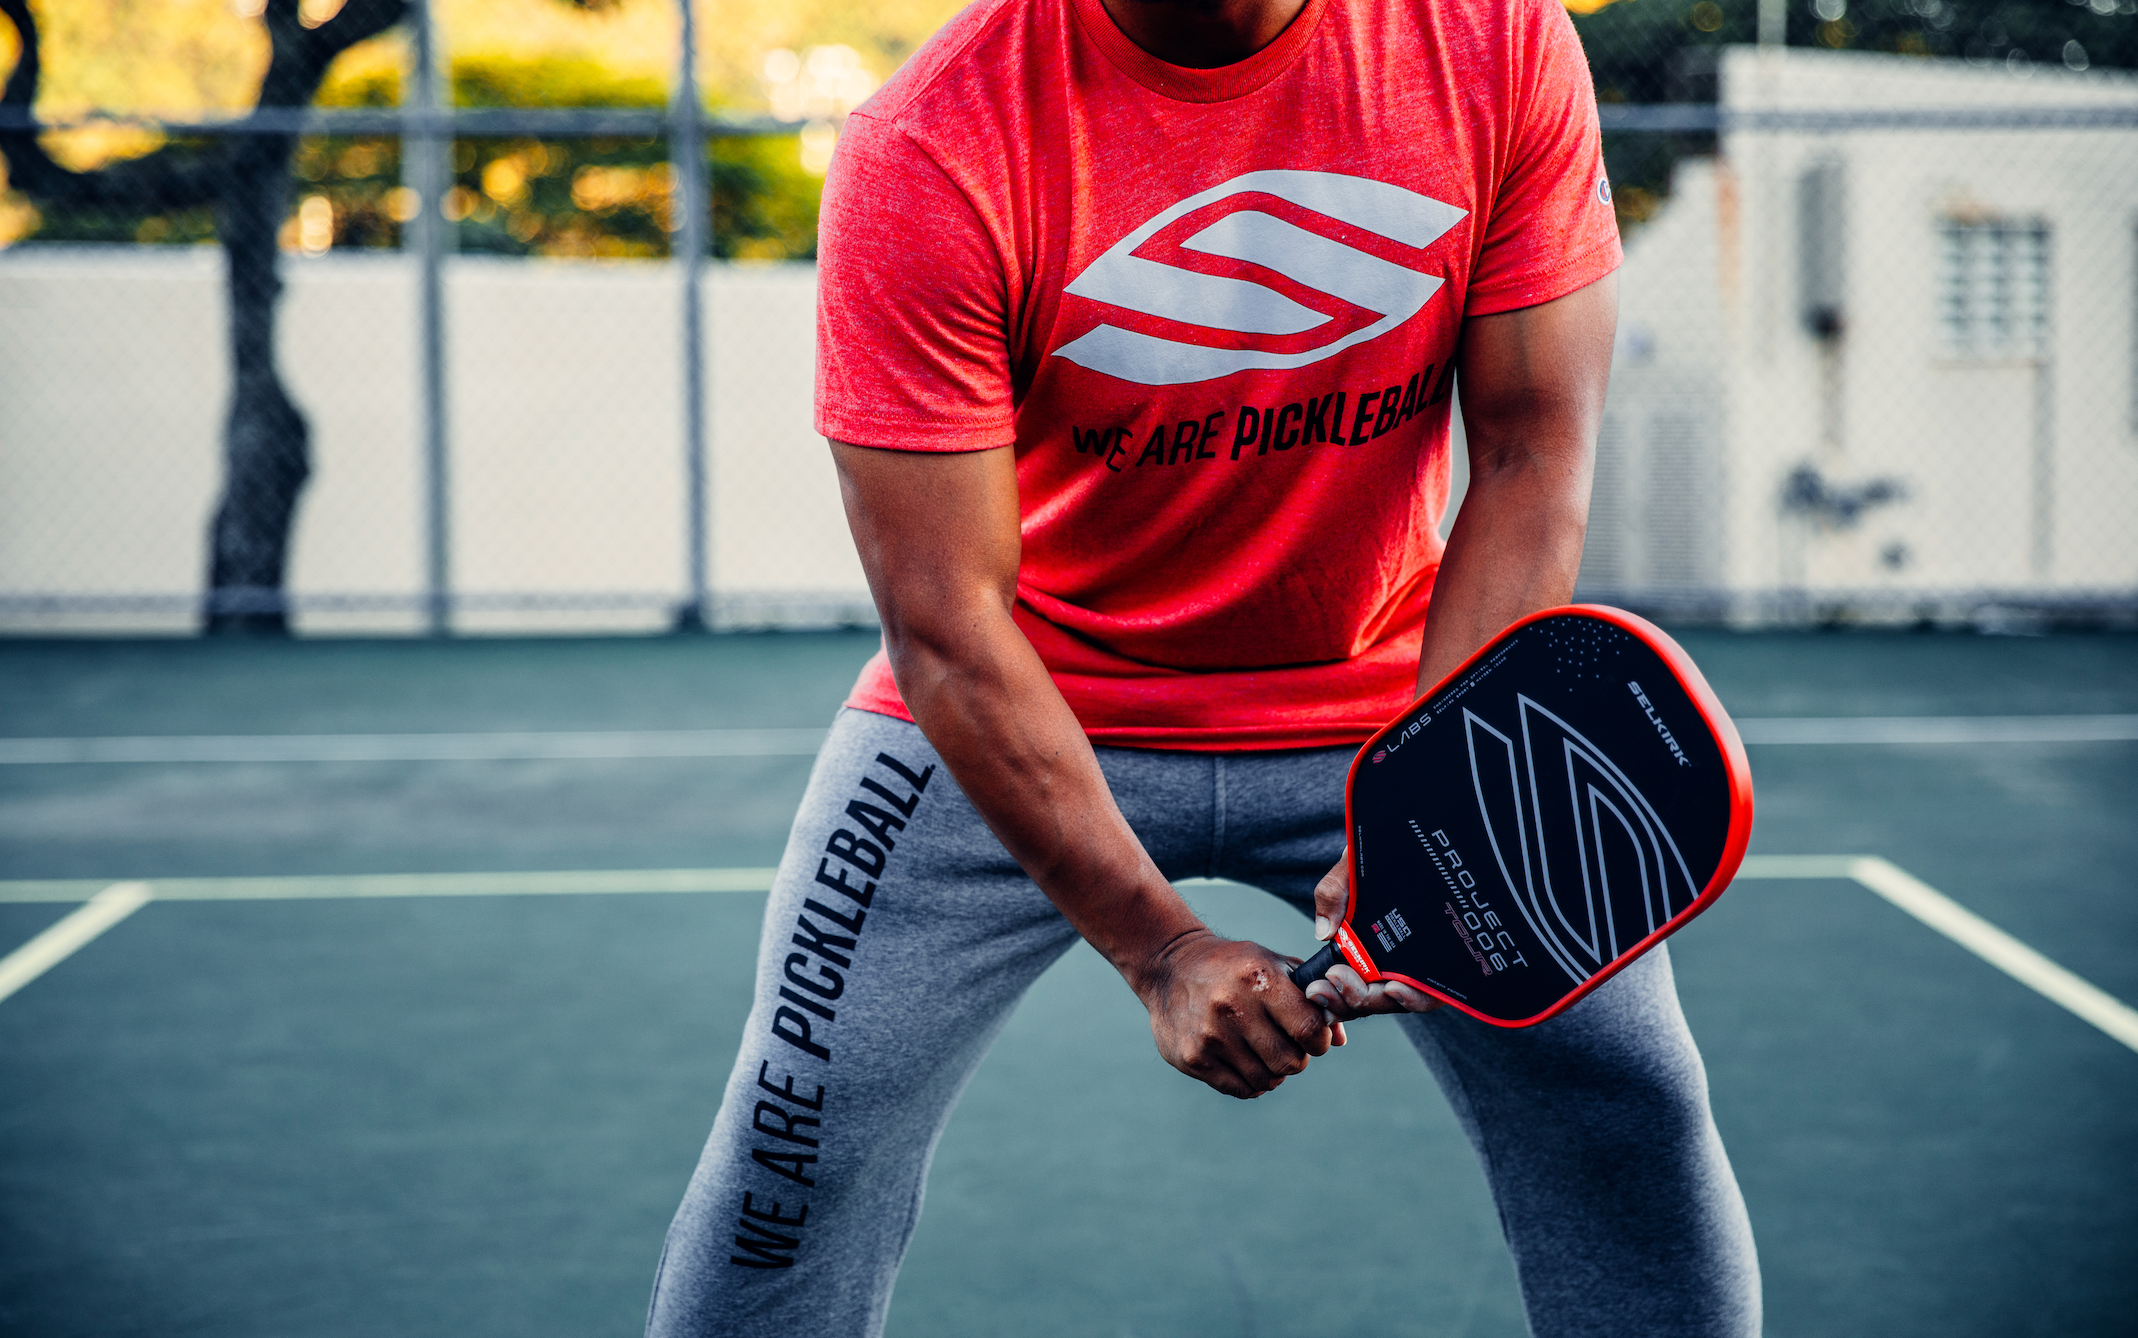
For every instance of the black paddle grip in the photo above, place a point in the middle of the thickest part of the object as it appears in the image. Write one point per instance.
(1317, 966)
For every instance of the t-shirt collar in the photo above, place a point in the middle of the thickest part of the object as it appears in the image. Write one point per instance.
(1188, 85)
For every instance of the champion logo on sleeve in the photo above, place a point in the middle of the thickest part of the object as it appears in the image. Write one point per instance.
(1216, 324)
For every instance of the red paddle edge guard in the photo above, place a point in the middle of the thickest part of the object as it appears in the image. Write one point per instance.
(1712, 715)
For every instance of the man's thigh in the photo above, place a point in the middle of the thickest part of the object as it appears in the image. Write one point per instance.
(898, 937)
(1281, 819)
(1593, 1129)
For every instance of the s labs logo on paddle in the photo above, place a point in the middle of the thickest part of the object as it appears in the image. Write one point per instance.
(1205, 318)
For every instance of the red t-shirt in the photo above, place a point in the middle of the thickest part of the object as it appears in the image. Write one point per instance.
(1215, 312)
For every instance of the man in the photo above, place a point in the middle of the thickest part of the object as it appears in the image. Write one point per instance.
(1136, 333)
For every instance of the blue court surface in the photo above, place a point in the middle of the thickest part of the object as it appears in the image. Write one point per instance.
(388, 988)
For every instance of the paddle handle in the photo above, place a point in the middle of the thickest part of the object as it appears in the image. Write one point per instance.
(1317, 966)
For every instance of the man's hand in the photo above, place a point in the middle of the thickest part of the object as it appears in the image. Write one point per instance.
(1344, 992)
(1227, 1013)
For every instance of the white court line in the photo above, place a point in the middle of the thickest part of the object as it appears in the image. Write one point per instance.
(118, 900)
(627, 745)
(59, 942)
(1903, 729)
(1904, 890)
(564, 883)
(510, 746)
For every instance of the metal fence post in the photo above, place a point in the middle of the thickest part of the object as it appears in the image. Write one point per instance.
(426, 155)
(1773, 22)
(2041, 554)
(686, 147)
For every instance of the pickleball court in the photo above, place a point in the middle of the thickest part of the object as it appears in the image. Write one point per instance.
(427, 961)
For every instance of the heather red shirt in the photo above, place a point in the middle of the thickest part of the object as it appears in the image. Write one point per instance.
(1214, 310)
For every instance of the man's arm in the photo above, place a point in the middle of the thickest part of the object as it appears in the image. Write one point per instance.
(938, 537)
(1533, 386)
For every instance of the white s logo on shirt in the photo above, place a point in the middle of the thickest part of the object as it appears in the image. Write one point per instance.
(1392, 292)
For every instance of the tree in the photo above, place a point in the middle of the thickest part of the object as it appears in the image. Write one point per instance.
(245, 178)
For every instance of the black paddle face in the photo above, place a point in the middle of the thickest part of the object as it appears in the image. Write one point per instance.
(1539, 819)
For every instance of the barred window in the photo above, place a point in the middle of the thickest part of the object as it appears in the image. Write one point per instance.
(1993, 288)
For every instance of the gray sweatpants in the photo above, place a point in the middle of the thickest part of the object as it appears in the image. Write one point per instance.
(899, 936)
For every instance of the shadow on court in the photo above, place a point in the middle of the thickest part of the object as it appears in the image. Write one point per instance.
(473, 1114)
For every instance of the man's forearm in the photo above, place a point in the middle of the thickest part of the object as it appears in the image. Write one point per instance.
(1515, 549)
(1533, 383)
(987, 703)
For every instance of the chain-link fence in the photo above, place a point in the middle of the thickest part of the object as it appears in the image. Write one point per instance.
(489, 341)
(1878, 348)
(470, 348)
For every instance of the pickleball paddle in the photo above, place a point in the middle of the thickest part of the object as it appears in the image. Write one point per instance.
(1561, 803)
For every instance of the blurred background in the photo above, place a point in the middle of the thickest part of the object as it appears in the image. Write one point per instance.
(349, 317)
(385, 978)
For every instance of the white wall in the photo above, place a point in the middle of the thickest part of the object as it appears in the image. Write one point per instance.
(565, 438)
(1712, 331)
(1653, 522)
(566, 456)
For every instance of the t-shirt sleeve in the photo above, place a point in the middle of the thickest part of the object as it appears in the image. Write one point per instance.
(1552, 229)
(912, 344)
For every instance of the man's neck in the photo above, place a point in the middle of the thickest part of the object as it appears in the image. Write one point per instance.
(1203, 34)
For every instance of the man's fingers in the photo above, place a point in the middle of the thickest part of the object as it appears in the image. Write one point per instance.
(1226, 1079)
(1331, 895)
(1350, 986)
(1242, 1065)
(1249, 1069)
(1304, 1022)
(1413, 1000)
(1380, 997)
(1344, 993)
(1276, 1046)
(1275, 1041)
(1210, 1065)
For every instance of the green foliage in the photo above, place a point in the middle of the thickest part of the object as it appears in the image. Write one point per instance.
(612, 198)
(608, 197)
(764, 204)
(1982, 31)
(184, 227)
(1649, 51)
(501, 80)
(366, 84)
(358, 178)
(1644, 50)
(1660, 50)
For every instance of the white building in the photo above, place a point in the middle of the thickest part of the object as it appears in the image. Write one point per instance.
(1872, 361)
